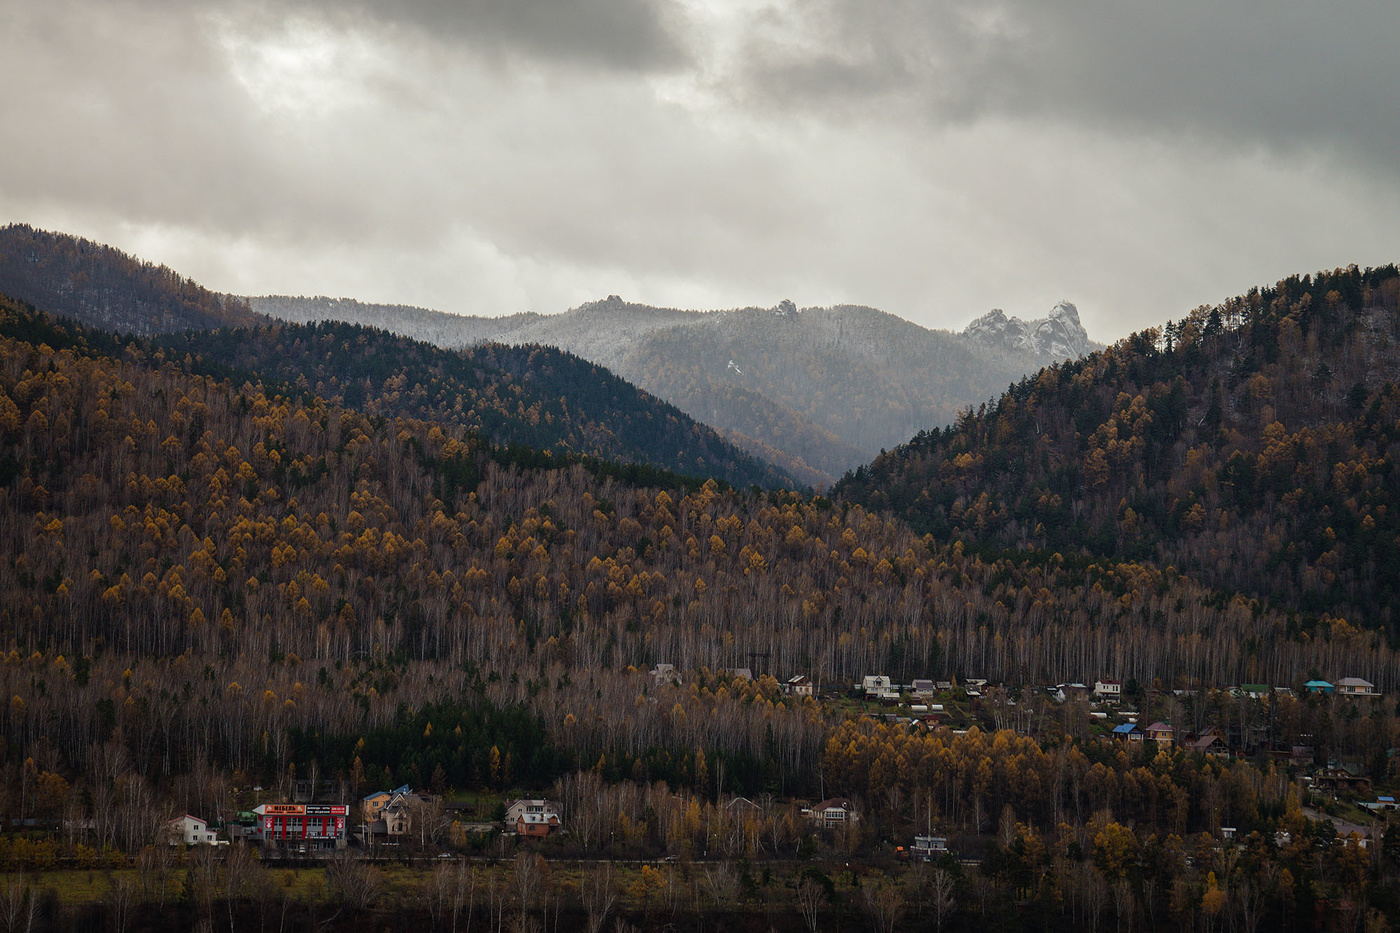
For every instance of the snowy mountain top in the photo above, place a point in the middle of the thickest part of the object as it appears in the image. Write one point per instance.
(1059, 334)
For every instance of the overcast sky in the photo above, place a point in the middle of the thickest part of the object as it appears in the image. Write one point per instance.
(934, 159)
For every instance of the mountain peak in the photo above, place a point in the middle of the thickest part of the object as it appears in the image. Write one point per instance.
(1059, 334)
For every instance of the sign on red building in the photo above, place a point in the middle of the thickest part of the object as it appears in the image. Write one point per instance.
(314, 825)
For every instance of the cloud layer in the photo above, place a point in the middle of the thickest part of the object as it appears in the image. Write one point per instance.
(932, 158)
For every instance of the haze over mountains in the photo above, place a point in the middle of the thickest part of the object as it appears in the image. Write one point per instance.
(817, 391)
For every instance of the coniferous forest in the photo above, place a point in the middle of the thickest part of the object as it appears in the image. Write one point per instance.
(246, 565)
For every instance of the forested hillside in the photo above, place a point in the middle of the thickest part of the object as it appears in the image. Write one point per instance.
(104, 287)
(215, 585)
(1252, 445)
(287, 522)
(533, 396)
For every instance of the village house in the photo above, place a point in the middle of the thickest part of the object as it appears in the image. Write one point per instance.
(1318, 686)
(536, 825)
(1356, 687)
(1162, 734)
(922, 689)
(1061, 693)
(833, 813)
(372, 805)
(1110, 690)
(191, 831)
(928, 848)
(545, 808)
(1127, 732)
(798, 685)
(878, 687)
(1337, 778)
(1209, 742)
(396, 818)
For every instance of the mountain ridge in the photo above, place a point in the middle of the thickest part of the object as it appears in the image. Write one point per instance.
(827, 389)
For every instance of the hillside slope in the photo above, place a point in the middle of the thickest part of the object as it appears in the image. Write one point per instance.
(153, 512)
(104, 287)
(537, 397)
(1253, 445)
(531, 396)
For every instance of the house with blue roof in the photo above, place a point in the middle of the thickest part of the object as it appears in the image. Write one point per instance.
(1127, 732)
(1318, 686)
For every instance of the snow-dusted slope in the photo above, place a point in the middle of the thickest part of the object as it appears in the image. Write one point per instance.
(1057, 336)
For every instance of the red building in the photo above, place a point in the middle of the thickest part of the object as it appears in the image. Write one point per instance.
(297, 825)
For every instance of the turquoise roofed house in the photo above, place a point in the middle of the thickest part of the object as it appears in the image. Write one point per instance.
(1318, 686)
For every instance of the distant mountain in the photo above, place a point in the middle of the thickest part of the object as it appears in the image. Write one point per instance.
(435, 327)
(817, 391)
(1057, 336)
(104, 287)
(1253, 445)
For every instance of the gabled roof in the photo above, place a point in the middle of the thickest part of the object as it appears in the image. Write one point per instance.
(835, 803)
(1317, 683)
(1354, 682)
(1160, 727)
(1125, 728)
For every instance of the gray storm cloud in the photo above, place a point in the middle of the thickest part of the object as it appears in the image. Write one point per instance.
(934, 159)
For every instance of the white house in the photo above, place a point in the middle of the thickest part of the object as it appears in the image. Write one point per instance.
(829, 814)
(875, 685)
(1107, 690)
(928, 848)
(191, 831)
(543, 809)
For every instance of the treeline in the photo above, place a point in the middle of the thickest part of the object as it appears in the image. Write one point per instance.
(1252, 445)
